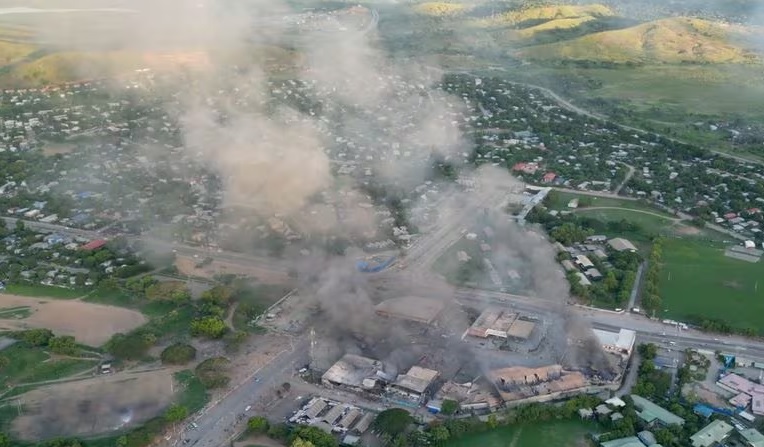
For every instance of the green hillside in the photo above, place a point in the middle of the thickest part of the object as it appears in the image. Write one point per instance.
(675, 40)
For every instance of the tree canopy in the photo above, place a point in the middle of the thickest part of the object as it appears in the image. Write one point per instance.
(393, 421)
(178, 354)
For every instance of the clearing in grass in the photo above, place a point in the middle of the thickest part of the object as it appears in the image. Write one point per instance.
(91, 324)
(91, 407)
(699, 283)
(29, 365)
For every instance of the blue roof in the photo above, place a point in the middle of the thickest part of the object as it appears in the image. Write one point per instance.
(703, 410)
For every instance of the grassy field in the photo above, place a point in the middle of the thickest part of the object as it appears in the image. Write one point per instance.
(193, 395)
(697, 281)
(558, 434)
(559, 201)
(38, 290)
(15, 313)
(33, 365)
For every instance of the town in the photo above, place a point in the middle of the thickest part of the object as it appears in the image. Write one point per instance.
(325, 245)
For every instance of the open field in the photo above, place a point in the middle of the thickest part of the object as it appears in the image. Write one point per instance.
(188, 266)
(559, 200)
(558, 434)
(91, 324)
(698, 282)
(29, 365)
(94, 406)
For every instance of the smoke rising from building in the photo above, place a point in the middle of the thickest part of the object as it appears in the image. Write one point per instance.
(272, 157)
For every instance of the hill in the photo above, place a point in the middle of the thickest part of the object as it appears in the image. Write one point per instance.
(535, 16)
(674, 40)
(439, 9)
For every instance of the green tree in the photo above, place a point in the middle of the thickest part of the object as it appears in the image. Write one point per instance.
(449, 407)
(132, 346)
(299, 442)
(5, 441)
(212, 327)
(257, 424)
(219, 296)
(647, 351)
(393, 421)
(440, 434)
(178, 354)
(64, 345)
(315, 436)
(176, 413)
(37, 337)
(212, 373)
(4, 362)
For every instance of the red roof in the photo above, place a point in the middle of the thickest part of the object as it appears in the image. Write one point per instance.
(519, 166)
(730, 216)
(754, 210)
(549, 176)
(95, 244)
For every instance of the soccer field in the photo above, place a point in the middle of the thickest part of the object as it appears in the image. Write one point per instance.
(698, 282)
(558, 434)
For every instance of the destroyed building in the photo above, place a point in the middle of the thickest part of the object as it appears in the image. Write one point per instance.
(356, 372)
(411, 308)
(495, 322)
(415, 383)
(471, 396)
(544, 383)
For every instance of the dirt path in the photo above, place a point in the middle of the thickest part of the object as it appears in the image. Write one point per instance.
(673, 219)
(229, 317)
(516, 437)
(625, 179)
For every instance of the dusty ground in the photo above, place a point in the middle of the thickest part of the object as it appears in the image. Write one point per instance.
(187, 266)
(263, 441)
(256, 354)
(61, 148)
(91, 324)
(687, 230)
(93, 406)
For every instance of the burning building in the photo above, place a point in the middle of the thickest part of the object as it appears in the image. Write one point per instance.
(357, 373)
(470, 396)
(541, 384)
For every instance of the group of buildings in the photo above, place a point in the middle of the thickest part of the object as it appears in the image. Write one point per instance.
(335, 417)
(509, 385)
(716, 433)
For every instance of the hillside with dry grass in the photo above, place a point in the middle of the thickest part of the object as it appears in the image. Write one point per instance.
(674, 40)
(546, 13)
(440, 9)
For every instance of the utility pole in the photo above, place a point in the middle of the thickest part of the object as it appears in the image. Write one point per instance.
(312, 347)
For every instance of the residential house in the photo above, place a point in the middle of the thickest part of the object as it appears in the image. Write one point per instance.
(712, 434)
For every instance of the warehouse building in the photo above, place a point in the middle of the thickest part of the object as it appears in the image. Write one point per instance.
(355, 372)
(494, 322)
(621, 342)
(415, 383)
(411, 308)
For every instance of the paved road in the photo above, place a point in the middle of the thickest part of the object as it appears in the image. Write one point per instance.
(216, 424)
(268, 264)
